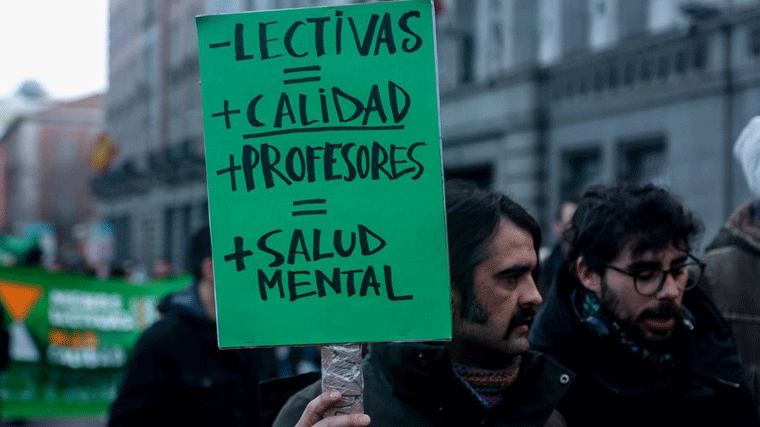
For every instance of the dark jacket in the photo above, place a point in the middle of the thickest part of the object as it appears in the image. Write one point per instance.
(613, 388)
(412, 384)
(178, 376)
(732, 280)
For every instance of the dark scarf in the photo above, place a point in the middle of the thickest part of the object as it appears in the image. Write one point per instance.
(599, 322)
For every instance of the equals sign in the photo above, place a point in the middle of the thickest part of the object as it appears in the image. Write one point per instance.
(309, 203)
(301, 70)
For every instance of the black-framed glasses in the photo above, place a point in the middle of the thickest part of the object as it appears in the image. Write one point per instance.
(649, 282)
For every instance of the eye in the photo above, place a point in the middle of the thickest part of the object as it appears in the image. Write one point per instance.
(646, 275)
(512, 277)
(678, 271)
(510, 280)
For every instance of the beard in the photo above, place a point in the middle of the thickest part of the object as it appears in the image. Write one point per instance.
(633, 325)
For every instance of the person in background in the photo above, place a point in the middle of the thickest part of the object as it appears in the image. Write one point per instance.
(486, 375)
(556, 257)
(732, 277)
(161, 269)
(648, 348)
(178, 376)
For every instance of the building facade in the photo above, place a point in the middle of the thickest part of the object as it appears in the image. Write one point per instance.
(661, 98)
(155, 193)
(539, 98)
(45, 168)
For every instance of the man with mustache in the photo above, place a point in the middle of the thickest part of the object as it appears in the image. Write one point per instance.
(486, 375)
(648, 348)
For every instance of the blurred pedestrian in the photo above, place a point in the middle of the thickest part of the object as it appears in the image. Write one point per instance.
(647, 348)
(487, 374)
(556, 257)
(161, 269)
(732, 277)
(178, 376)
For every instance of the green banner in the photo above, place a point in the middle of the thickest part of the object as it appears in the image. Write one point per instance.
(324, 174)
(71, 335)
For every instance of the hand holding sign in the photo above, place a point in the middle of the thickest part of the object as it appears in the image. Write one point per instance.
(312, 415)
(325, 186)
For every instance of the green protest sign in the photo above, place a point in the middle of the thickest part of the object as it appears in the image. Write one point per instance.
(324, 175)
(71, 336)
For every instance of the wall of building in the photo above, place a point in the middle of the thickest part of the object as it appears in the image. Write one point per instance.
(532, 92)
(47, 168)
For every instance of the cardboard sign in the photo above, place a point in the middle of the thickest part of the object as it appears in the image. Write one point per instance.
(324, 172)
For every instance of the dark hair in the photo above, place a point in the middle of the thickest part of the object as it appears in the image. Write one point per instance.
(200, 249)
(472, 215)
(610, 217)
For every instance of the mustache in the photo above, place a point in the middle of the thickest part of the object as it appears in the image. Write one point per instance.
(524, 316)
(663, 309)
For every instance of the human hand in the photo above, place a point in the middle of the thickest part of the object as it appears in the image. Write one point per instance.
(312, 415)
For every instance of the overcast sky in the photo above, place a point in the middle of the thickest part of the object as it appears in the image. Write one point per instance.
(60, 43)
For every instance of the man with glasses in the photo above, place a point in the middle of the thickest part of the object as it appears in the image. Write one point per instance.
(647, 347)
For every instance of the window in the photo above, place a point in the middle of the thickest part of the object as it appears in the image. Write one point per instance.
(628, 75)
(467, 59)
(681, 61)
(186, 233)
(643, 161)
(575, 26)
(580, 168)
(646, 70)
(754, 42)
(168, 234)
(122, 236)
(613, 76)
(635, 13)
(204, 213)
(598, 81)
(700, 53)
(556, 91)
(147, 253)
(663, 67)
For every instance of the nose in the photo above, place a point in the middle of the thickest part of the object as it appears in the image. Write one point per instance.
(670, 289)
(531, 296)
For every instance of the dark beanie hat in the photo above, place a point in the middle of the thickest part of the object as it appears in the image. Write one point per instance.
(200, 249)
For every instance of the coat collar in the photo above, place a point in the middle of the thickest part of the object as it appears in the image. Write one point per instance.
(742, 229)
(422, 373)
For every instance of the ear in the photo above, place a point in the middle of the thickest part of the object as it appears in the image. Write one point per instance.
(588, 277)
(207, 270)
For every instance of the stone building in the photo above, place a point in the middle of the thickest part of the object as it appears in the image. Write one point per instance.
(538, 97)
(45, 168)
